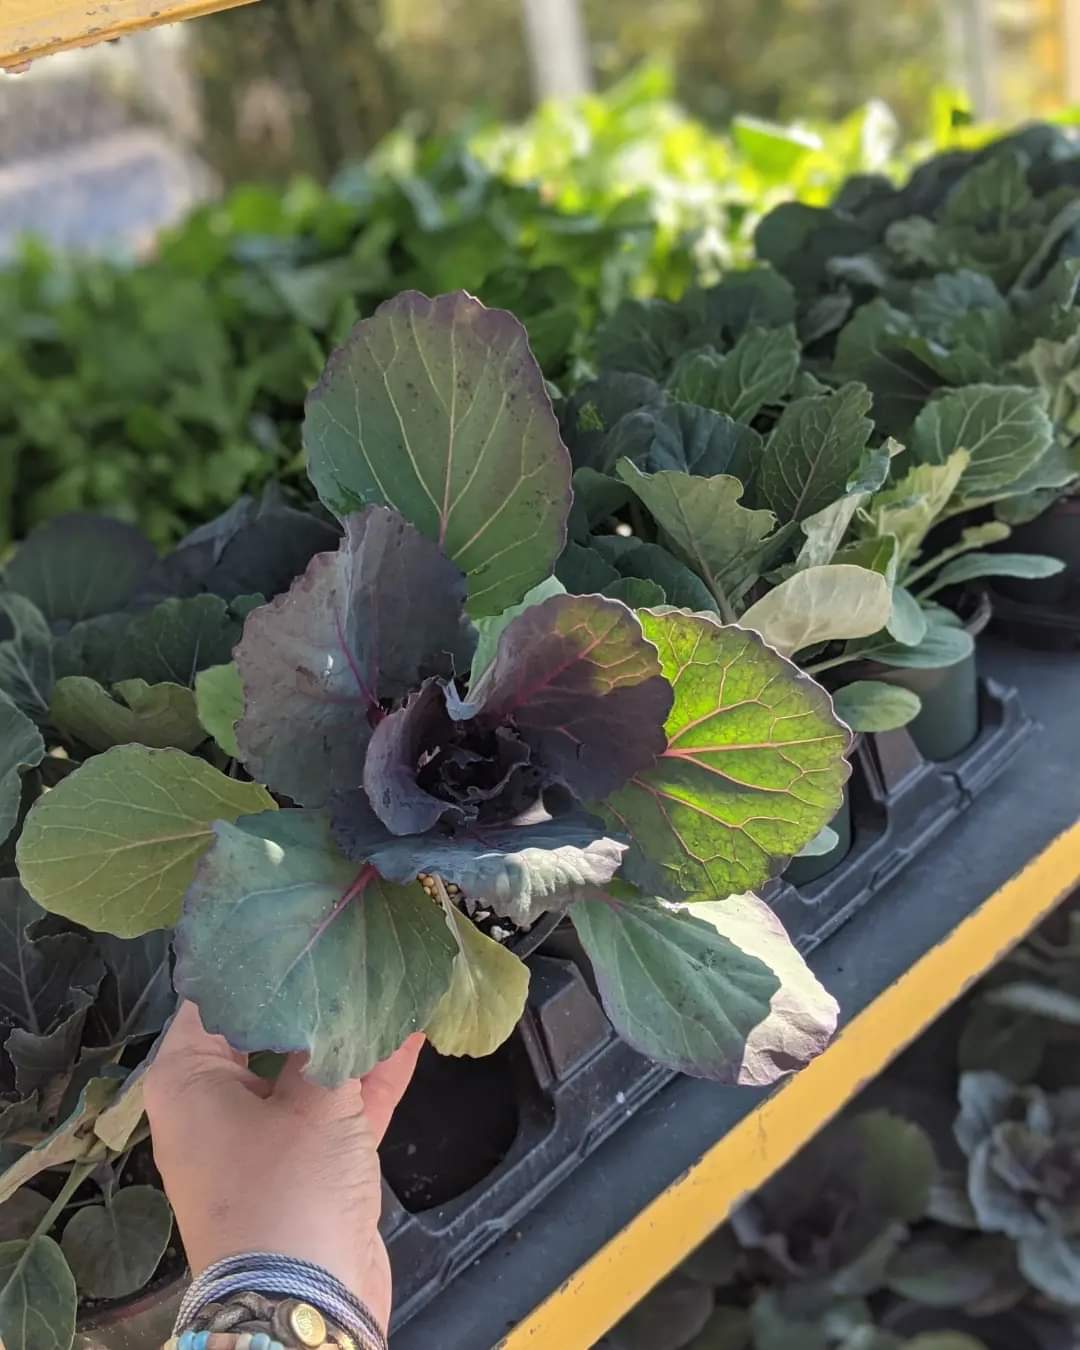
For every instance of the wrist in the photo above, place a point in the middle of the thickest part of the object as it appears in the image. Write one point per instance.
(322, 1246)
(277, 1301)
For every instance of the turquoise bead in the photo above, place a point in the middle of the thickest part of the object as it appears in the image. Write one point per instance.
(260, 1341)
(200, 1340)
(187, 1341)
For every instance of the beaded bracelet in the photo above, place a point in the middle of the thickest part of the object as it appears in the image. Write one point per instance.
(223, 1340)
(265, 1301)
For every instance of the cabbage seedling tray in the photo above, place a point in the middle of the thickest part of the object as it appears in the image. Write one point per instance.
(562, 1264)
(477, 1144)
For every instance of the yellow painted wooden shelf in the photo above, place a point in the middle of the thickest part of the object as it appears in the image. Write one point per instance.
(31, 29)
(629, 1214)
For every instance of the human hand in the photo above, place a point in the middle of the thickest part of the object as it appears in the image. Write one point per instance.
(285, 1166)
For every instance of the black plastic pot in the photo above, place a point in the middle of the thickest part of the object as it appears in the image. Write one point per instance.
(949, 720)
(1056, 533)
(144, 1323)
(802, 871)
(1044, 613)
(476, 1143)
(900, 802)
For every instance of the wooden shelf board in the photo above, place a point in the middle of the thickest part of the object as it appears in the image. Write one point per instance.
(31, 29)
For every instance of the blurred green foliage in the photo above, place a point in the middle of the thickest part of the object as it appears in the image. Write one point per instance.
(160, 391)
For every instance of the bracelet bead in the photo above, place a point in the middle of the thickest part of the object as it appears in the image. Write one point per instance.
(223, 1340)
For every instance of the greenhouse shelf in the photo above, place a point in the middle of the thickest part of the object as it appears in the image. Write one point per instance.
(662, 1183)
(30, 29)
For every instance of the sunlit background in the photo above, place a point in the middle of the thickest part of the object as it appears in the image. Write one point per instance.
(99, 147)
(191, 218)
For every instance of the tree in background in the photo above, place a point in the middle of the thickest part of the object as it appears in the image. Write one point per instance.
(311, 84)
(292, 85)
(784, 59)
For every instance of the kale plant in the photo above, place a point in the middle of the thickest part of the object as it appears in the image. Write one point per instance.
(964, 277)
(710, 471)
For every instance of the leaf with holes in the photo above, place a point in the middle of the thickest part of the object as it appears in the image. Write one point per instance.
(438, 409)
(753, 769)
(365, 623)
(286, 945)
(115, 844)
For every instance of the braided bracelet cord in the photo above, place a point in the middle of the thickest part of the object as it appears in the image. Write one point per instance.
(272, 1273)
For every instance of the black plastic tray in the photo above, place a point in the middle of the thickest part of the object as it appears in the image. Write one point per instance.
(573, 1082)
(564, 1082)
(900, 802)
(1048, 627)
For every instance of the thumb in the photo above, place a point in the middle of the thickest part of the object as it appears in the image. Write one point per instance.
(189, 1054)
(375, 1096)
(387, 1082)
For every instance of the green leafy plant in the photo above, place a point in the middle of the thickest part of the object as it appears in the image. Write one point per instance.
(1026, 1018)
(806, 1259)
(1020, 1143)
(447, 732)
(166, 389)
(961, 280)
(78, 1012)
(713, 471)
(884, 1224)
(162, 390)
(100, 646)
(453, 747)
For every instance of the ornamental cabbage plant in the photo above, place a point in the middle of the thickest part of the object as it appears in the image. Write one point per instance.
(1023, 1175)
(446, 746)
